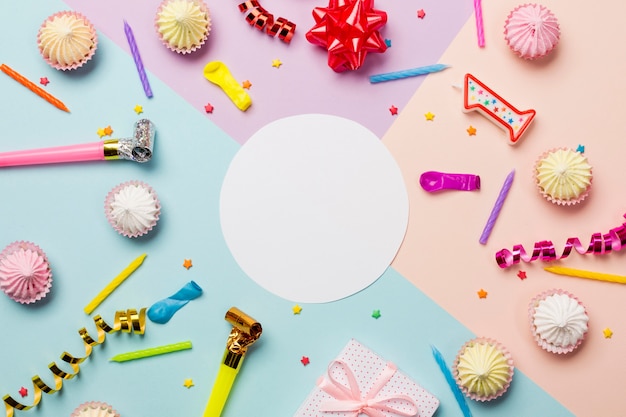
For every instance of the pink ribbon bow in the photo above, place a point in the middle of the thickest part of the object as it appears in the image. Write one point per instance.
(348, 399)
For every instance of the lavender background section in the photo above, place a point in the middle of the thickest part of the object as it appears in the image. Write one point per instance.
(304, 83)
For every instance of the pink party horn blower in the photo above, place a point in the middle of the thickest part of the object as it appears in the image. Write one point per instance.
(137, 148)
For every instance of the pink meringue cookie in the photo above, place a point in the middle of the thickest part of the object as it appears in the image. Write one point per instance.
(531, 31)
(25, 274)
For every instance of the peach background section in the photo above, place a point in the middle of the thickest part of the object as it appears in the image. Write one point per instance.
(578, 92)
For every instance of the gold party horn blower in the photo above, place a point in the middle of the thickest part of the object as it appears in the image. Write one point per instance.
(244, 333)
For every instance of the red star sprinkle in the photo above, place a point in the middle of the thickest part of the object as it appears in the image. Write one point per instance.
(393, 110)
(208, 108)
(421, 13)
(305, 360)
(44, 81)
(23, 392)
(522, 275)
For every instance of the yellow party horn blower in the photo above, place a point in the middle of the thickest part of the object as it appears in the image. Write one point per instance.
(245, 332)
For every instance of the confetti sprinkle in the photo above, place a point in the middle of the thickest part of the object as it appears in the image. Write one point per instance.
(482, 293)
(429, 116)
(471, 131)
(101, 132)
(108, 131)
(188, 383)
(580, 149)
(296, 309)
(607, 333)
(208, 108)
(138, 109)
(393, 110)
(376, 314)
(44, 81)
(522, 275)
(277, 63)
(388, 43)
(246, 84)
(305, 360)
(187, 263)
(421, 13)
(23, 392)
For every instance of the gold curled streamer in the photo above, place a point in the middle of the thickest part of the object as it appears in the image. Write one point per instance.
(125, 321)
(261, 19)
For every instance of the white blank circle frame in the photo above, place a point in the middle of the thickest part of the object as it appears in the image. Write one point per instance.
(314, 208)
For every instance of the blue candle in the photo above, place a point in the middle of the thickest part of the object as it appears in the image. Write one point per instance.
(379, 78)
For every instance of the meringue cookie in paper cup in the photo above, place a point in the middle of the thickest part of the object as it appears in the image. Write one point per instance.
(563, 176)
(67, 40)
(558, 321)
(94, 409)
(25, 274)
(132, 208)
(483, 369)
(183, 25)
(531, 31)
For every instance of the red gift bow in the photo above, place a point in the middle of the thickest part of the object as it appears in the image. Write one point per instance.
(348, 29)
(349, 398)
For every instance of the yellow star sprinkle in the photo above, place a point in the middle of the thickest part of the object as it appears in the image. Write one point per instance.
(188, 383)
(108, 131)
(429, 116)
(296, 309)
(607, 333)
(138, 109)
(276, 63)
(471, 130)
(101, 132)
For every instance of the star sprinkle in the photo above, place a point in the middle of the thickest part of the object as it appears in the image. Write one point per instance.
(471, 130)
(208, 108)
(521, 275)
(296, 309)
(421, 13)
(607, 333)
(482, 293)
(188, 383)
(246, 84)
(393, 110)
(101, 132)
(108, 131)
(388, 43)
(138, 109)
(429, 116)
(305, 360)
(44, 81)
(376, 314)
(580, 149)
(23, 392)
(276, 63)
(187, 263)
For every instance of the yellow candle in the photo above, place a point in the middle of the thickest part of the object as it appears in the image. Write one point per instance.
(106, 291)
(599, 276)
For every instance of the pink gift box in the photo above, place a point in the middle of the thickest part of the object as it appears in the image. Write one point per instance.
(359, 382)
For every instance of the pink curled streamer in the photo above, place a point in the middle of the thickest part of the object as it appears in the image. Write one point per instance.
(544, 250)
(480, 28)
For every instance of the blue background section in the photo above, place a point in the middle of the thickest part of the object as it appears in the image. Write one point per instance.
(60, 208)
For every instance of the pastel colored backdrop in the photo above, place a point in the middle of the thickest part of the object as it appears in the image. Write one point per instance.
(61, 209)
